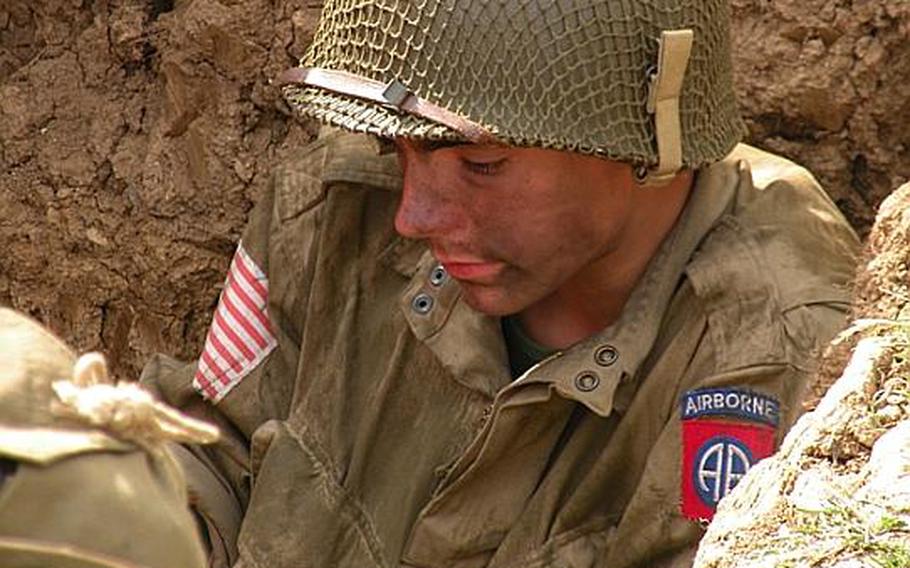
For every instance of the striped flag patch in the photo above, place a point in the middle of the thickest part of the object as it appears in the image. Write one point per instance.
(241, 335)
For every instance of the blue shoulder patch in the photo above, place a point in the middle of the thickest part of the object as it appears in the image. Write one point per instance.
(734, 402)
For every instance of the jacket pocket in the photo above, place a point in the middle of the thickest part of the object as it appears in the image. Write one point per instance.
(298, 514)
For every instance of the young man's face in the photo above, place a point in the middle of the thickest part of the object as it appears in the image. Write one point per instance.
(513, 225)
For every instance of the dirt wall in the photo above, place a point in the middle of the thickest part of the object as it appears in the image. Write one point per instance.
(824, 82)
(136, 134)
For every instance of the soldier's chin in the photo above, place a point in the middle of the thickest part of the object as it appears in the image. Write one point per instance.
(491, 300)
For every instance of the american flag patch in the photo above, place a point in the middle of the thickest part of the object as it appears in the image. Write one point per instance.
(241, 335)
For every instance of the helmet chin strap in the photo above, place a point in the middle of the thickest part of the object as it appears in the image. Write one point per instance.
(664, 87)
(394, 94)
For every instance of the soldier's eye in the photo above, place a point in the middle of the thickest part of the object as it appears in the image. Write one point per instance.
(484, 168)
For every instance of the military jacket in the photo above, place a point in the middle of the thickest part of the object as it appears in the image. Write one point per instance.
(375, 420)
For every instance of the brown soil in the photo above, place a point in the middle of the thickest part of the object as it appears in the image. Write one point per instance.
(135, 136)
(824, 83)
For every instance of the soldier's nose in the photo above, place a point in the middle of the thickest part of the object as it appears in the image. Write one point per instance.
(425, 211)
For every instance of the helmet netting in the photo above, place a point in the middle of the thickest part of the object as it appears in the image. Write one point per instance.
(557, 74)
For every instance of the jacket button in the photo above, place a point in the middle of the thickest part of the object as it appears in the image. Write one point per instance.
(438, 275)
(606, 355)
(587, 381)
(422, 303)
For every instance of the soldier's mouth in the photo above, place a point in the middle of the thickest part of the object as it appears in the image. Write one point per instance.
(478, 272)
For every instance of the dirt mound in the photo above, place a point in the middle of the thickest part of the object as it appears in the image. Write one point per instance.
(135, 135)
(824, 83)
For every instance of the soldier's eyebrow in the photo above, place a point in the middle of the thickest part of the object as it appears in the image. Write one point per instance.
(387, 145)
(433, 145)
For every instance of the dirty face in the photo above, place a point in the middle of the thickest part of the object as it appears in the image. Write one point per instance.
(513, 225)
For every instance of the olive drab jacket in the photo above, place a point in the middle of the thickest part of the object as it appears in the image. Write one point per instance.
(375, 422)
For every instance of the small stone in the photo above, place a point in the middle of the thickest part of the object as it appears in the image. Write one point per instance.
(895, 399)
(244, 170)
(96, 237)
(889, 414)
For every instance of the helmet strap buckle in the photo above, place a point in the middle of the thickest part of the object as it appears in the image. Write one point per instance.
(664, 87)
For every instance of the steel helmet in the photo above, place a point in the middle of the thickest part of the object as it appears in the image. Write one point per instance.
(41, 410)
(646, 82)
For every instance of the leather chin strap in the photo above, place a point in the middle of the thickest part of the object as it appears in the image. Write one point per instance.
(394, 94)
(663, 102)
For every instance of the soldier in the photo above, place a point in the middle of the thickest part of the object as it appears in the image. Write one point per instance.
(85, 480)
(546, 314)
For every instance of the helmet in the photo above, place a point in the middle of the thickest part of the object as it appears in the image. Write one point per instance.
(29, 428)
(82, 488)
(646, 82)
(54, 405)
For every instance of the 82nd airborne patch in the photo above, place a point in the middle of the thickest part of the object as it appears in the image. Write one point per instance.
(725, 432)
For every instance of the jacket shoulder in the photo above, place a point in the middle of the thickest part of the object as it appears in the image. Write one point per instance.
(798, 232)
(301, 181)
(775, 271)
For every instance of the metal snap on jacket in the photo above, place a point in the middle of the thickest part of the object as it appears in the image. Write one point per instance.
(606, 355)
(587, 381)
(422, 303)
(438, 275)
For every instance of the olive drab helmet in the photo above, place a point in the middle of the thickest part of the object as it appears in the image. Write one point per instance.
(646, 82)
(54, 404)
(84, 467)
(30, 430)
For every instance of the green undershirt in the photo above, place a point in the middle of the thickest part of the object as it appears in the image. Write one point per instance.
(523, 351)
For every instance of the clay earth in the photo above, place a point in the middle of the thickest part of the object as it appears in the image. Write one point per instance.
(136, 135)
